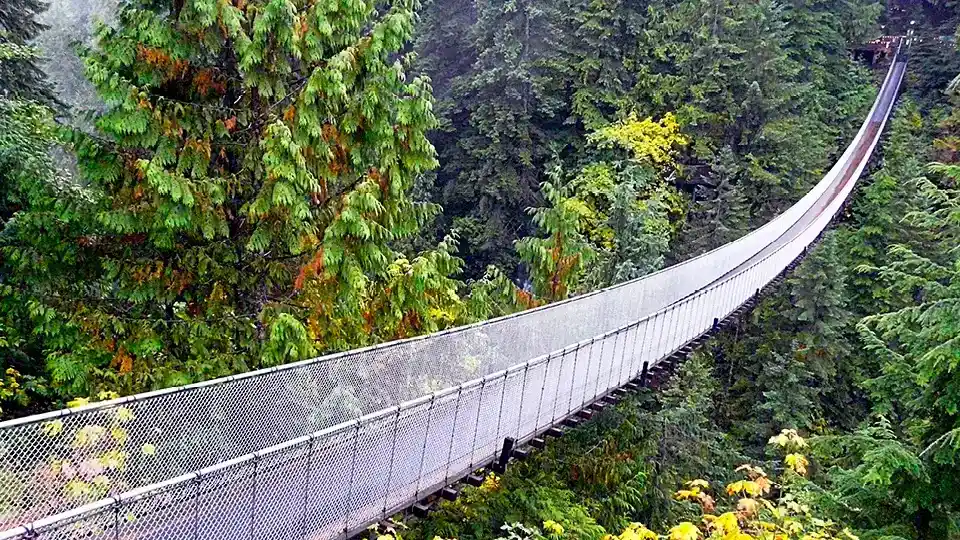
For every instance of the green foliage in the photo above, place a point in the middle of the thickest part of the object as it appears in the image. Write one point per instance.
(499, 503)
(633, 210)
(916, 382)
(20, 77)
(28, 179)
(243, 193)
(792, 367)
(879, 207)
(721, 214)
(505, 111)
(690, 442)
(762, 91)
(875, 479)
(557, 262)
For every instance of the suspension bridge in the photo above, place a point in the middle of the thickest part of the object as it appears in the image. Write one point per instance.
(324, 447)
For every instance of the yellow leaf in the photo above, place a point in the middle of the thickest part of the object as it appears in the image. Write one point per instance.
(647, 140)
(552, 527)
(78, 402)
(698, 483)
(744, 486)
(119, 434)
(490, 483)
(76, 489)
(684, 531)
(114, 459)
(795, 507)
(767, 526)
(88, 436)
(753, 472)
(764, 484)
(52, 428)
(793, 526)
(727, 522)
(107, 395)
(148, 449)
(124, 415)
(637, 531)
(788, 437)
(797, 462)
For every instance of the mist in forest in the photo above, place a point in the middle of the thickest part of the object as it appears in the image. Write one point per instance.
(71, 22)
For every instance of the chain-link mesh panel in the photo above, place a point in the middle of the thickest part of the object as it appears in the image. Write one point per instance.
(532, 397)
(285, 457)
(436, 454)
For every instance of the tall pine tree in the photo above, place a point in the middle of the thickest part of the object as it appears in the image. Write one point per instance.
(20, 77)
(506, 116)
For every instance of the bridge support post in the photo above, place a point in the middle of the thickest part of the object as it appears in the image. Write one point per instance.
(501, 465)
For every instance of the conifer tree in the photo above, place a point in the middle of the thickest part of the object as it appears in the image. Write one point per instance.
(917, 344)
(602, 57)
(690, 442)
(879, 209)
(506, 116)
(557, 262)
(445, 50)
(20, 77)
(720, 211)
(251, 174)
(29, 181)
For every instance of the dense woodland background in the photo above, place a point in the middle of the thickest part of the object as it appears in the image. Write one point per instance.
(205, 187)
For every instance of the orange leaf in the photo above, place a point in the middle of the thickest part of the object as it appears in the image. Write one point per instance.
(123, 360)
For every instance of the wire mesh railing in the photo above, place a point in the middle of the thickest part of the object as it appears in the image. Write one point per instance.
(323, 447)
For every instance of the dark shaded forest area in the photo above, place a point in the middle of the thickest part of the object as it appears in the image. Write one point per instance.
(200, 188)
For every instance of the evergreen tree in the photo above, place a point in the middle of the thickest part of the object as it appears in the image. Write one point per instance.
(789, 394)
(792, 367)
(879, 208)
(506, 118)
(20, 77)
(251, 173)
(29, 180)
(719, 211)
(691, 444)
(641, 229)
(602, 57)
(917, 343)
(444, 47)
(556, 262)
